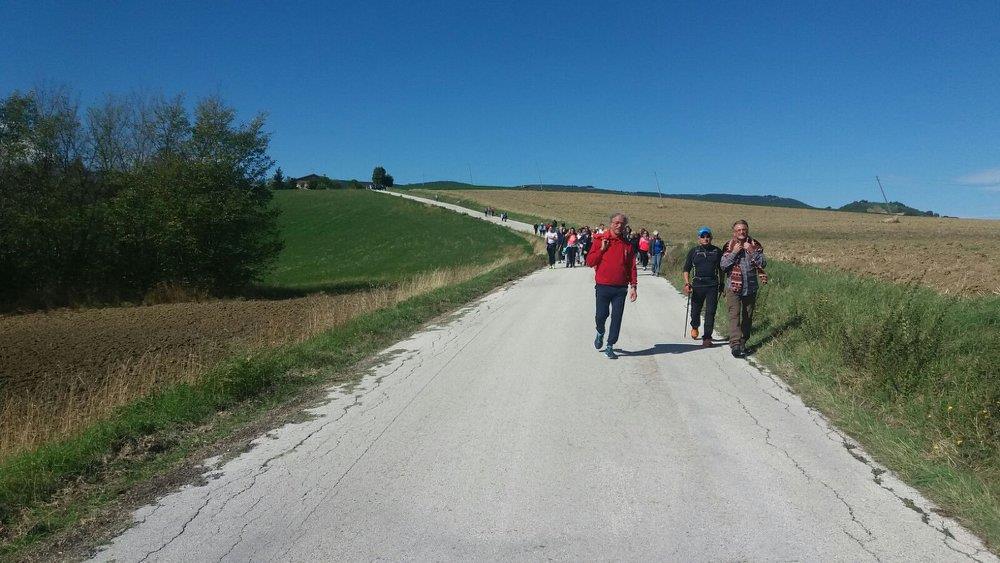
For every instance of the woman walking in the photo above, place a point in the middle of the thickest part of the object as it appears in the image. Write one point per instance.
(644, 248)
(551, 245)
(571, 239)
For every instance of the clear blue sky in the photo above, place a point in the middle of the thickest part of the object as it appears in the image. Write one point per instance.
(800, 99)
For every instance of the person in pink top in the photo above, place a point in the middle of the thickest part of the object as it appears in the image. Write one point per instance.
(644, 244)
(571, 248)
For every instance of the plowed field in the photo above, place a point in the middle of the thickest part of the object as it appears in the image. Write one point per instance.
(953, 256)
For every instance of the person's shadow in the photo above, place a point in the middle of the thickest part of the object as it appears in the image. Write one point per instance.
(662, 349)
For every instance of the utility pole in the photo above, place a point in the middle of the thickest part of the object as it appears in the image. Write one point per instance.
(883, 194)
(657, 184)
(470, 174)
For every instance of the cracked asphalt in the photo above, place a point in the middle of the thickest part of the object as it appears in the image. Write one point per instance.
(501, 433)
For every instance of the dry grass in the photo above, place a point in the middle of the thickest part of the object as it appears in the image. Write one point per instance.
(66, 369)
(952, 256)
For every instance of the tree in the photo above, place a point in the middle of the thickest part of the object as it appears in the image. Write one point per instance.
(389, 181)
(378, 177)
(278, 182)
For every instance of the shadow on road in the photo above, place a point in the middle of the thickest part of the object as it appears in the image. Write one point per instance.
(661, 349)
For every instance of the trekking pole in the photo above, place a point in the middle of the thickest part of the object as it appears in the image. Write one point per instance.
(687, 313)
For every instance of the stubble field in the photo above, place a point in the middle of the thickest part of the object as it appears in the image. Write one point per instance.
(952, 256)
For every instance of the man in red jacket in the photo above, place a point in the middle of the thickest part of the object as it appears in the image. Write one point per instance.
(613, 260)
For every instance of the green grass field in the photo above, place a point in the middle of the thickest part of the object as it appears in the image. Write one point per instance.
(350, 238)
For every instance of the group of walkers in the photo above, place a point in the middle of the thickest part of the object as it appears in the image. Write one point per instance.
(736, 270)
(572, 246)
(492, 212)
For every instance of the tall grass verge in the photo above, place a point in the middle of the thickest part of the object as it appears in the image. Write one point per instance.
(29, 480)
(911, 374)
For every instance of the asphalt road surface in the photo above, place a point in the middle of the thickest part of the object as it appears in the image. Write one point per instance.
(501, 433)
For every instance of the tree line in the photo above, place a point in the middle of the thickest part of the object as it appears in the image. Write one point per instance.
(137, 192)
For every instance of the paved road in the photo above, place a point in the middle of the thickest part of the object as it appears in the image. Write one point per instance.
(510, 223)
(502, 434)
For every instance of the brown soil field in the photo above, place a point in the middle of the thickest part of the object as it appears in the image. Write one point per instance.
(62, 369)
(953, 256)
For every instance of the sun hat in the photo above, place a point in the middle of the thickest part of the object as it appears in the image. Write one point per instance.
(656, 233)
(702, 231)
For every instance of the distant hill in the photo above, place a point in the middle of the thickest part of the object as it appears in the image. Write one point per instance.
(768, 200)
(892, 208)
(861, 206)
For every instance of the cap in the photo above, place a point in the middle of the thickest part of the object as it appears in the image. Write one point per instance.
(656, 233)
(702, 231)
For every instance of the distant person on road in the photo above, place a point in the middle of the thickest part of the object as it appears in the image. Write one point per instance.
(743, 262)
(571, 240)
(551, 245)
(643, 246)
(613, 260)
(656, 250)
(561, 243)
(584, 242)
(704, 285)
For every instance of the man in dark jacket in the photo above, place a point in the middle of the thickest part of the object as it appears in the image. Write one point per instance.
(705, 284)
(613, 261)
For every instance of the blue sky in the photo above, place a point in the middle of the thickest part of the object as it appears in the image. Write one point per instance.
(799, 99)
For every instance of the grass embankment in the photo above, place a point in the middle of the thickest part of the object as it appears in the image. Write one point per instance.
(129, 427)
(354, 238)
(909, 373)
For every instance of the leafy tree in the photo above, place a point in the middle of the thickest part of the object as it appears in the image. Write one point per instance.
(278, 182)
(378, 177)
(388, 181)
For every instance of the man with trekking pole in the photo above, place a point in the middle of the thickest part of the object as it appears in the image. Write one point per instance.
(743, 262)
(613, 260)
(703, 289)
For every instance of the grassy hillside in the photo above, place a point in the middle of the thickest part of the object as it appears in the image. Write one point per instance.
(358, 237)
(894, 207)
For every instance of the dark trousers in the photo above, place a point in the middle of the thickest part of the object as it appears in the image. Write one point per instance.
(740, 317)
(571, 257)
(551, 249)
(613, 297)
(644, 258)
(709, 297)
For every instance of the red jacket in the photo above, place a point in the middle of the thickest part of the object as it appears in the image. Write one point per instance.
(614, 266)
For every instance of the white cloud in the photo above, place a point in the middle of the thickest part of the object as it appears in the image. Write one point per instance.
(984, 178)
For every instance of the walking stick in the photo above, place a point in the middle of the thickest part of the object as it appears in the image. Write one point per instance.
(687, 313)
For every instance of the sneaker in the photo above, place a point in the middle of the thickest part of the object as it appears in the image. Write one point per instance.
(737, 353)
(694, 333)
(610, 353)
(599, 340)
(706, 343)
